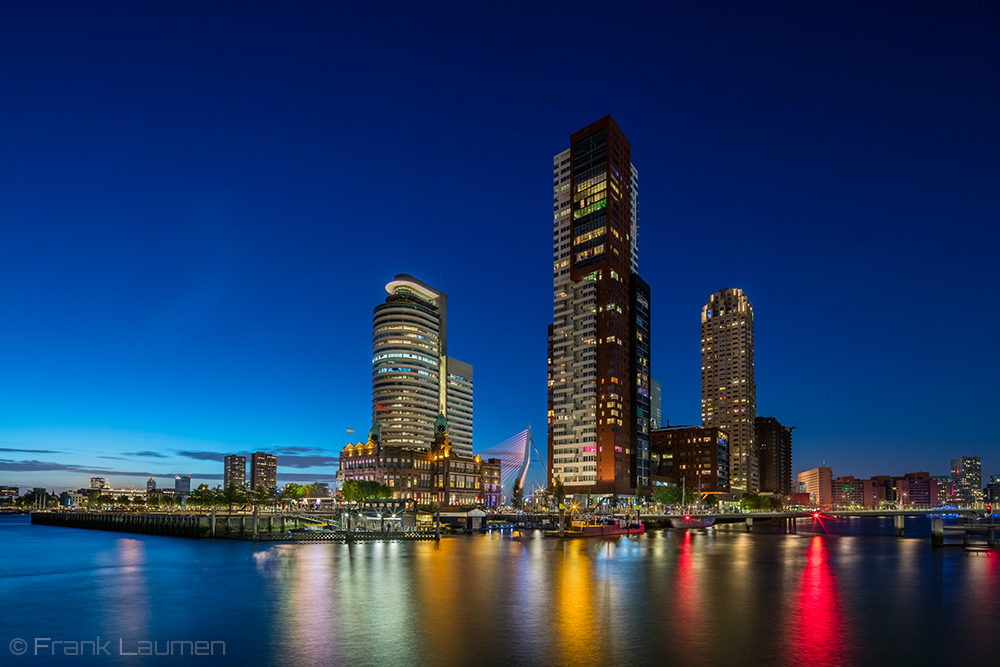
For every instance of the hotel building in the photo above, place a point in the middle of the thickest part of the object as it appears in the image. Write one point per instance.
(599, 340)
(413, 378)
(728, 392)
(434, 475)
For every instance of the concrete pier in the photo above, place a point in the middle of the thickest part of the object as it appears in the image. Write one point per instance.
(937, 531)
(177, 524)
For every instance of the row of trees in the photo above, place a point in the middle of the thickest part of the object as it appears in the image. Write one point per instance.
(671, 495)
(356, 490)
(232, 497)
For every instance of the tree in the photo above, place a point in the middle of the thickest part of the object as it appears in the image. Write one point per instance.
(558, 490)
(517, 495)
(234, 495)
(94, 499)
(755, 501)
(588, 497)
(261, 496)
(349, 491)
(614, 496)
(317, 490)
(672, 495)
(124, 500)
(153, 501)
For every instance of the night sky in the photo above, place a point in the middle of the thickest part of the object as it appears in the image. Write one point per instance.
(201, 203)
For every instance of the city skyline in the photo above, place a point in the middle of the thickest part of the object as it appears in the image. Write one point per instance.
(197, 223)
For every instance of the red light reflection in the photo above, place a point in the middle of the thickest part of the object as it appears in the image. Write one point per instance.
(690, 633)
(816, 632)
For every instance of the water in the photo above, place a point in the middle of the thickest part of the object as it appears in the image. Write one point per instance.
(843, 593)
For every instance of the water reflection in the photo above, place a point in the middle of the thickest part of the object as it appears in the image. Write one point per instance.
(307, 614)
(129, 590)
(816, 633)
(689, 622)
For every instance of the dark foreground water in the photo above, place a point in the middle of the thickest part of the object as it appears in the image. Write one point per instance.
(843, 593)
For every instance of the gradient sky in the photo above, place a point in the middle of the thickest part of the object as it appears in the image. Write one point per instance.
(201, 203)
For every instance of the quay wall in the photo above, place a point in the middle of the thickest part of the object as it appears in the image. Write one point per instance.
(239, 526)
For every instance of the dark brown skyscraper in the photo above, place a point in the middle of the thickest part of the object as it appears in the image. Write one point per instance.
(599, 351)
(774, 442)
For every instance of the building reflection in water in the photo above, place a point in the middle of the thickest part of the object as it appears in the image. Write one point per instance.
(816, 632)
(306, 620)
(572, 593)
(130, 591)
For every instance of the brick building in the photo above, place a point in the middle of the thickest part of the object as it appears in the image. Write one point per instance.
(435, 476)
(697, 454)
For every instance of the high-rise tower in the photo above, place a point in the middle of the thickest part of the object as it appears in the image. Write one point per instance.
(728, 392)
(599, 340)
(413, 379)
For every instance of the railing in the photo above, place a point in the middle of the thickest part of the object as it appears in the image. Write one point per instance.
(361, 536)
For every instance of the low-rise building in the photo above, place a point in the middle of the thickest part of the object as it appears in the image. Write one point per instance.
(698, 455)
(847, 491)
(819, 485)
(916, 489)
(9, 495)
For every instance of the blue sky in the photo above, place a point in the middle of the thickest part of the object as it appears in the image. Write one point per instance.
(201, 203)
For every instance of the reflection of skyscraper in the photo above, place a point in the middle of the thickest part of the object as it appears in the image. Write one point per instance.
(263, 470)
(234, 472)
(966, 476)
(599, 340)
(728, 392)
(413, 378)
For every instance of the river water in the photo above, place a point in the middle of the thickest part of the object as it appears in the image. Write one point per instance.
(836, 592)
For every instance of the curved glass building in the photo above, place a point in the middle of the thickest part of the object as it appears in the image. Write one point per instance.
(413, 380)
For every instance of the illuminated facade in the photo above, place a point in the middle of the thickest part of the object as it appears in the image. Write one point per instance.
(967, 479)
(818, 484)
(728, 392)
(437, 475)
(599, 340)
(696, 454)
(234, 472)
(847, 492)
(917, 489)
(263, 470)
(413, 379)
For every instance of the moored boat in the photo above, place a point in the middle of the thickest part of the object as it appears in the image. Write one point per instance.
(598, 528)
(689, 521)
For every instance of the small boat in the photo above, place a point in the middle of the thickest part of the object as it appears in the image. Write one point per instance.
(599, 528)
(688, 521)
